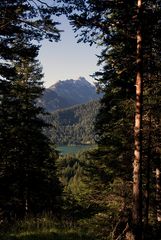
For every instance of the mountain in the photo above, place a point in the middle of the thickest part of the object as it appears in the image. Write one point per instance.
(74, 125)
(68, 93)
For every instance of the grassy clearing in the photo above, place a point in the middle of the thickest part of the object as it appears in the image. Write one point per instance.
(44, 228)
(59, 235)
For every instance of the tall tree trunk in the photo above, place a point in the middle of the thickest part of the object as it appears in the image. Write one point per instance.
(158, 195)
(147, 186)
(137, 179)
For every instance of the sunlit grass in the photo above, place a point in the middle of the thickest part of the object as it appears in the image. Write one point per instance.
(60, 234)
(44, 228)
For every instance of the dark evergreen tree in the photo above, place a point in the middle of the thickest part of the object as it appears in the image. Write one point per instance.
(27, 167)
(28, 175)
(117, 24)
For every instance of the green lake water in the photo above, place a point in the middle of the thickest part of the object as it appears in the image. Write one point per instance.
(73, 148)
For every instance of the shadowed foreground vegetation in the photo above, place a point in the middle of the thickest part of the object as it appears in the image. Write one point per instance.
(44, 228)
(58, 235)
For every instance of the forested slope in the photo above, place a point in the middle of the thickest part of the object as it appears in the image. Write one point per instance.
(74, 125)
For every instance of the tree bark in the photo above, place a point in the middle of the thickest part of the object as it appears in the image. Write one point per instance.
(147, 185)
(158, 195)
(137, 179)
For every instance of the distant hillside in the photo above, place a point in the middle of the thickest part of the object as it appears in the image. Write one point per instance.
(68, 93)
(75, 125)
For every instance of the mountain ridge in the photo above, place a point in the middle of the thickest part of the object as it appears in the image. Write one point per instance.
(67, 93)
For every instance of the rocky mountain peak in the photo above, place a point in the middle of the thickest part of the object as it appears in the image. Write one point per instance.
(67, 93)
(81, 81)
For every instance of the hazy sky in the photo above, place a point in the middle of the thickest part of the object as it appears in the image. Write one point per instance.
(67, 59)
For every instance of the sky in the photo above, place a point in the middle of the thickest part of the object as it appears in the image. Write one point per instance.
(67, 59)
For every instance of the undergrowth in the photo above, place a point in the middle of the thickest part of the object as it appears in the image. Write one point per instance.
(44, 228)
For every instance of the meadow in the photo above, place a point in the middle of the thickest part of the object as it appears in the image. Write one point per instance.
(44, 228)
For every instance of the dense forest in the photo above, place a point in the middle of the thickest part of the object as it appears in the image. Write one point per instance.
(74, 125)
(113, 191)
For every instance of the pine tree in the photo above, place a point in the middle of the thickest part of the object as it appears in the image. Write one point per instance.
(27, 168)
(137, 164)
(117, 24)
(29, 175)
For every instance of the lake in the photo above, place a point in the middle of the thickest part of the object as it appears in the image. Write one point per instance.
(65, 149)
